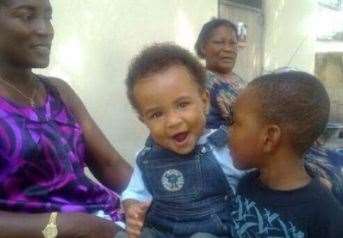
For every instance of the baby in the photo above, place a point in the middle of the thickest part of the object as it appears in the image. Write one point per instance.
(184, 170)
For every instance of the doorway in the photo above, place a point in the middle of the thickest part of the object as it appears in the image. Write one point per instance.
(250, 55)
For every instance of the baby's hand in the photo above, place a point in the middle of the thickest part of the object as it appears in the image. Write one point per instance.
(135, 213)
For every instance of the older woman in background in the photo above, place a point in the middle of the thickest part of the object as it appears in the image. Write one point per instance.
(217, 44)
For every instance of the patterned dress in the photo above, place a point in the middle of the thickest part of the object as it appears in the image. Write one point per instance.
(42, 160)
(222, 94)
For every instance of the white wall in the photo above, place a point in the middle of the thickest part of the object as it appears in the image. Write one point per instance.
(328, 20)
(288, 28)
(291, 29)
(94, 42)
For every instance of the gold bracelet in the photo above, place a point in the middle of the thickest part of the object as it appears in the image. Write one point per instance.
(51, 231)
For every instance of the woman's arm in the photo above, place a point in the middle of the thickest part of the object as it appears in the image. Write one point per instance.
(69, 225)
(102, 159)
(16, 225)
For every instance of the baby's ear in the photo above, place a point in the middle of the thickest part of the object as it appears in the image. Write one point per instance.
(272, 138)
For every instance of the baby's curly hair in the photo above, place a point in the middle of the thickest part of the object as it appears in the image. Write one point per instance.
(295, 100)
(158, 58)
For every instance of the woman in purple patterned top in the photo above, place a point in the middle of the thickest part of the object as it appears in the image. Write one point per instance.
(47, 137)
(217, 45)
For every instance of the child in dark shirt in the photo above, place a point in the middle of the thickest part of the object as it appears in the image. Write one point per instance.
(271, 133)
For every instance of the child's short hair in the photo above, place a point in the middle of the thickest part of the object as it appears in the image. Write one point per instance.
(295, 100)
(158, 58)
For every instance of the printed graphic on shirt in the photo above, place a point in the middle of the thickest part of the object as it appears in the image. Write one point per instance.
(251, 221)
(173, 180)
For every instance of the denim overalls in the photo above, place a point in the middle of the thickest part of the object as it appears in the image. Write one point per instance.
(190, 192)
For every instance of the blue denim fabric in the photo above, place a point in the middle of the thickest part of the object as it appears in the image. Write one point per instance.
(190, 192)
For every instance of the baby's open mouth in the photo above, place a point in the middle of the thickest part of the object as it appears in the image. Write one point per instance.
(180, 137)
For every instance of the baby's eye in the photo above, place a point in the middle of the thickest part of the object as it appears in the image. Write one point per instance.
(182, 104)
(155, 115)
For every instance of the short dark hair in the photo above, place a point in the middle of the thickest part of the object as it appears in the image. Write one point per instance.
(207, 31)
(158, 58)
(295, 100)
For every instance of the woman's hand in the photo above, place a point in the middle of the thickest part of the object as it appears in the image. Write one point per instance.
(135, 214)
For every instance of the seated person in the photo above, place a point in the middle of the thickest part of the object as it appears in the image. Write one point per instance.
(47, 137)
(275, 120)
(217, 44)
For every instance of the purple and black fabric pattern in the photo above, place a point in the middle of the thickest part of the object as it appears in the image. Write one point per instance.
(42, 161)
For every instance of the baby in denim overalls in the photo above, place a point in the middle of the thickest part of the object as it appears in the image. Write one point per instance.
(184, 177)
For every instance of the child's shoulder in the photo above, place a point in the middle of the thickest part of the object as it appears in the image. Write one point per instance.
(311, 209)
(249, 179)
(146, 151)
(315, 192)
(314, 195)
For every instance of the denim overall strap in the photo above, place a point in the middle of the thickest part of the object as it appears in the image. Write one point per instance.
(220, 137)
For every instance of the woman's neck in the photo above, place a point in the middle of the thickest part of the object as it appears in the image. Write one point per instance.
(16, 75)
(221, 74)
(284, 173)
(225, 76)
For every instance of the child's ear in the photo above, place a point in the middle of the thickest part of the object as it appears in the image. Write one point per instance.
(272, 138)
(205, 96)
